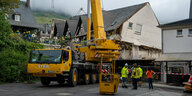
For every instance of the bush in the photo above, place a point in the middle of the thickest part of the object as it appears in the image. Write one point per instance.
(14, 53)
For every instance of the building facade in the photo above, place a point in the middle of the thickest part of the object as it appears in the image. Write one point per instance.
(176, 51)
(22, 19)
(176, 60)
(141, 37)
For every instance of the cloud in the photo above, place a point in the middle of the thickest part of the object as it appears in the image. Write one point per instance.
(165, 10)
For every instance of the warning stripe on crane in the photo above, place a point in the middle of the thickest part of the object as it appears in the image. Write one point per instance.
(96, 55)
(173, 73)
(105, 71)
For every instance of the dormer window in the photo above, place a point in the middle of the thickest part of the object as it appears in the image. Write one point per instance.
(17, 17)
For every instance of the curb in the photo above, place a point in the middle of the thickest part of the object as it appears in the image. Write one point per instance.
(169, 87)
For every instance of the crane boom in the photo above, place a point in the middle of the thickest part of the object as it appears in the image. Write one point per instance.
(98, 26)
(99, 45)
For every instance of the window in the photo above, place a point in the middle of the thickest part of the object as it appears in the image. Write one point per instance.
(190, 32)
(46, 56)
(179, 33)
(130, 26)
(138, 29)
(17, 17)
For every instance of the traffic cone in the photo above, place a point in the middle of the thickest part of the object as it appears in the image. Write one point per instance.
(188, 85)
(189, 81)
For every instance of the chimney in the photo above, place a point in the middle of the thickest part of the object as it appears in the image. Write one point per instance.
(190, 14)
(28, 3)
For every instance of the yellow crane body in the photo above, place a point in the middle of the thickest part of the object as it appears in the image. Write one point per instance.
(46, 69)
(57, 64)
(100, 49)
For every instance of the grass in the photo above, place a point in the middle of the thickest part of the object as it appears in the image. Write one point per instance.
(43, 20)
(43, 17)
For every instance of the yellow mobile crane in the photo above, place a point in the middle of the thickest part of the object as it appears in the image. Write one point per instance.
(106, 50)
(58, 64)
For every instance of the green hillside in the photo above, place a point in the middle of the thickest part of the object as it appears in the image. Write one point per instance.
(47, 16)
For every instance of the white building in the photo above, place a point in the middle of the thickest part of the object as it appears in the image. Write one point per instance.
(140, 32)
(177, 50)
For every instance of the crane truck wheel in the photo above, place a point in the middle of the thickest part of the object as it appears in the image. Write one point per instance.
(73, 79)
(45, 81)
(93, 78)
(86, 79)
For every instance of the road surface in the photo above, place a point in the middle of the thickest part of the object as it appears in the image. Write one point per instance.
(20, 89)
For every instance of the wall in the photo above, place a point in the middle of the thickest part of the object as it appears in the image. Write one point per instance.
(174, 44)
(150, 34)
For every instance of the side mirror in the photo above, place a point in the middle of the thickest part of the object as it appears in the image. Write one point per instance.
(66, 56)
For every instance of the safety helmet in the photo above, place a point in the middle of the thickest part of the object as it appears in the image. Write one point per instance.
(126, 64)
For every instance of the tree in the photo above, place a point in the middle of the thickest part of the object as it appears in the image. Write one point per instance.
(5, 28)
(8, 5)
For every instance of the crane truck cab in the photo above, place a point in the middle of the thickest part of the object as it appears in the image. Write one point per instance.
(57, 65)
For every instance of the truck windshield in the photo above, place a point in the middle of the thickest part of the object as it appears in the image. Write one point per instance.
(45, 56)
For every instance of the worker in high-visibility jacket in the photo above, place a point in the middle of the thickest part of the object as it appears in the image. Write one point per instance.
(141, 75)
(135, 76)
(124, 75)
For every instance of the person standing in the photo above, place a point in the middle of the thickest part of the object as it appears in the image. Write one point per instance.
(24, 35)
(135, 76)
(150, 74)
(18, 32)
(29, 36)
(124, 75)
(141, 75)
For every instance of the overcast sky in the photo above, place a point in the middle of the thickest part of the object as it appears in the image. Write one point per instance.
(165, 10)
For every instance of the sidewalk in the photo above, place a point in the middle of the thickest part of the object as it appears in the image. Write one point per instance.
(167, 86)
(160, 85)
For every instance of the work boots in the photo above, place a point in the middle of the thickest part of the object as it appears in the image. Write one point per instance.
(124, 86)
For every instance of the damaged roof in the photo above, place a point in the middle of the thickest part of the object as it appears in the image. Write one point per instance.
(123, 14)
(113, 19)
(27, 17)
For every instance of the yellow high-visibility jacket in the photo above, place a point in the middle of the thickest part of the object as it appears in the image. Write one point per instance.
(141, 72)
(135, 73)
(124, 72)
